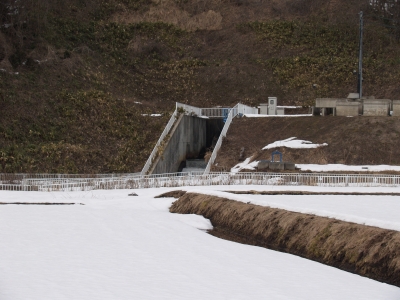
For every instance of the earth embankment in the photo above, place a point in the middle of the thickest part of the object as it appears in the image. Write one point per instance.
(368, 251)
(352, 141)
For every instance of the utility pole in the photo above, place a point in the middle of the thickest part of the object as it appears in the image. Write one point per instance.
(360, 53)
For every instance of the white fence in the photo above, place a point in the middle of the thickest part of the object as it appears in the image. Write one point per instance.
(199, 179)
(188, 109)
(244, 109)
(215, 112)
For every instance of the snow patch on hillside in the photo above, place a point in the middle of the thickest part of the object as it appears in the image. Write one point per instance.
(293, 143)
(246, 164)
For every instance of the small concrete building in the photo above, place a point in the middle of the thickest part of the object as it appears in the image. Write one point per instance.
(280, 111)
(263, 108)
(272, 102)
(271, 108)
(350, 106)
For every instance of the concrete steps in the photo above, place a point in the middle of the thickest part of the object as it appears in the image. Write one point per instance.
(195, 165)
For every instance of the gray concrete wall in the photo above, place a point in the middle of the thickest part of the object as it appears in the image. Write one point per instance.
(263, 108)
(187, 140)
(346, 108)
(396, 108)
(326, 102)
(379, 107)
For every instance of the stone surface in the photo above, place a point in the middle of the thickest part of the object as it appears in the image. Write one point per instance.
(396, 108)
(263, 164)
(290, 166)
(377, 107)
(276, 165)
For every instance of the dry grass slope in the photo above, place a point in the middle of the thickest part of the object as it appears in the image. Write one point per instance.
(358, 140)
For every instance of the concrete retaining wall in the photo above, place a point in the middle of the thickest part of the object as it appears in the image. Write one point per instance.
(396, 108)
(326, 102)
(187, 140)
(379, 107)
(348, 108)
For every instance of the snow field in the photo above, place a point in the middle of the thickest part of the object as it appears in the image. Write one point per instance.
(121, 247)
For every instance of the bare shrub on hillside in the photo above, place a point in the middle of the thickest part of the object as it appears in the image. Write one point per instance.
(389, 12)
(171, 13)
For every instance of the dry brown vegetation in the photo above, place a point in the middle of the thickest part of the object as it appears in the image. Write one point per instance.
(201, 52)
(368, 251)
(358, 140)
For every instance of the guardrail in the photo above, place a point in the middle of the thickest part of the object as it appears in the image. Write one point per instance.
(215, 112)
(188, 109)
(199, 179)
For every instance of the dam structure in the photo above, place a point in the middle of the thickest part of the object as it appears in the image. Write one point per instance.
(187, 136)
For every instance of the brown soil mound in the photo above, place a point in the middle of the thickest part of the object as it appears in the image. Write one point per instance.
(353, 141)
(172, 194)
(364, 250)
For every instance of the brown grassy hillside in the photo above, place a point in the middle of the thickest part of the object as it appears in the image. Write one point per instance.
(357, 140)
(156, 52)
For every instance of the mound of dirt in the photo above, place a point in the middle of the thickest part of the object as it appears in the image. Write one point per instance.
(172, 194)
(364, 250)
(352, 141)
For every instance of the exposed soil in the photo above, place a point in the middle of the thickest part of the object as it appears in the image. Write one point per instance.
(368, 251)
(172, 194)
(78, 78)
(307, 193)
(352, 141)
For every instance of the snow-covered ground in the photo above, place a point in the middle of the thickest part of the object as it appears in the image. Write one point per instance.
(341, 167)
(276, 116)
(372, 210)
(117, 246)
(293, 142)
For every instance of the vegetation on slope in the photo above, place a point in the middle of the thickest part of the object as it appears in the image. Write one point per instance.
(72, 72)
(352, 141)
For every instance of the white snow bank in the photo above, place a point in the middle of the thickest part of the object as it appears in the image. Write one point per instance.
(340, 167)
(379, 211)
(293, 143)
(152, 115)
(121, 247)
(275, 116)
(245, 165)
(289, 106)
(195, 221)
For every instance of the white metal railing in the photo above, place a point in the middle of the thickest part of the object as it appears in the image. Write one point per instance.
(244, 109)
(199, 179)
(215, 112)
(188, 109)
